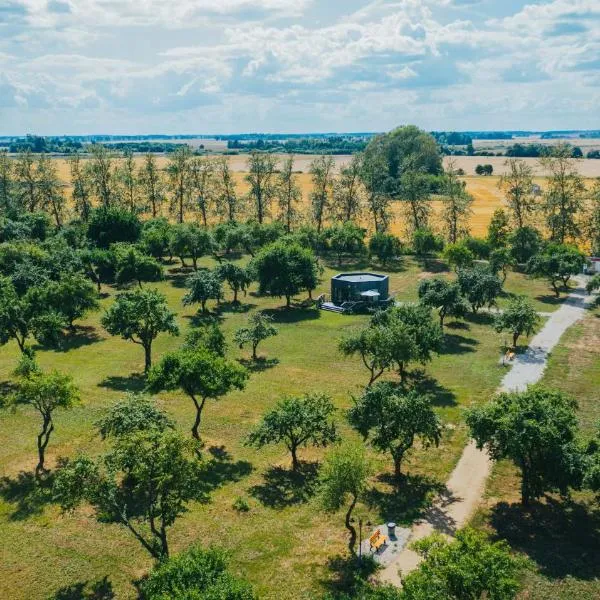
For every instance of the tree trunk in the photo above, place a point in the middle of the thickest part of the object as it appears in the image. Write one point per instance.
(42, 441)
(397, 468)
(515, 338)
(254, 347)
(147, 357)
(235, 295)
(196, 427)
(288, 301)
(350, 527)
(401, 371)
(295, 461)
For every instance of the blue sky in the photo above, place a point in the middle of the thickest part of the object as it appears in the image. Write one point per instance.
(224, 66)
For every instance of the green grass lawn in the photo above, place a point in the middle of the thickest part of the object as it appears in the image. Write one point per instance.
(562, 539)
(285, 545)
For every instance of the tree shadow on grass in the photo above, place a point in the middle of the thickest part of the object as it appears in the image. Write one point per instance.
(424, 383)
(221, 469)
(136, 382)
(563, 538)
(407, 502)
(432, 265)
(83, 336)
(458, 344)
(348, 263)
(28, 494)
(550, 299)
(480, 318)
(396, 265)
(284, 487)
(293, 315)
(349, 575)
(460, 325)
(235, 307)
(96, 590)
(202, 318)
(260, 364)
(6, 389)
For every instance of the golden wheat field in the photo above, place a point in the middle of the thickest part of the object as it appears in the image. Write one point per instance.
(485, 190)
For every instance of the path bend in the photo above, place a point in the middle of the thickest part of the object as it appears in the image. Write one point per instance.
(466, 486)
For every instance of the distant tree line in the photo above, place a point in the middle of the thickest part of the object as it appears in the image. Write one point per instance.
(329, 145)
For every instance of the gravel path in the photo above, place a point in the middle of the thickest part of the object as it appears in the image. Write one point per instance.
(466, 485)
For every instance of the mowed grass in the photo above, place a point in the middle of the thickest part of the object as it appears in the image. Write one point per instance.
(561, 538)
(285, 545)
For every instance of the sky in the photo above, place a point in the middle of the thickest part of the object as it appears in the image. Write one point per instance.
(233, 66)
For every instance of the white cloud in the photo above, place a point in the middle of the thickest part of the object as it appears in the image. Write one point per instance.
(231, 65)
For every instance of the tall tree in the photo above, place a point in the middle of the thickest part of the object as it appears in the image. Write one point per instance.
(50, 189)
(102, 175)
(517, 186)
(262, 180)
(143, 483)
(140, 316)
(348, 191)
(393, 421)
(593, 217)
(457, 204)
(564, 197)
(7, 182)
(152, 184)
(377, 194)
(82, 187)
(297, 422)
(499, 229)
(536, 430)
(203, 182)
(226, 199)
(321, 170)
(46, 392)
(398, 165)
(343, 478)
(180, 181)
(200, 374)
(127, 179)
(414, 190)
(288, 194)
(26, 181)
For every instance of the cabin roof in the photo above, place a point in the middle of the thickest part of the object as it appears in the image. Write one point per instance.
(360, 277)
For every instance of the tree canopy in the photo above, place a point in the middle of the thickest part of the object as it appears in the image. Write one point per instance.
(199, 373)
(284, 269)
(393, 419)
(343, 482)
(140, 316)
(536, 430)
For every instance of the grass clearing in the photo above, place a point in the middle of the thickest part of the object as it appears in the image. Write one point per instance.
(285, 545)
